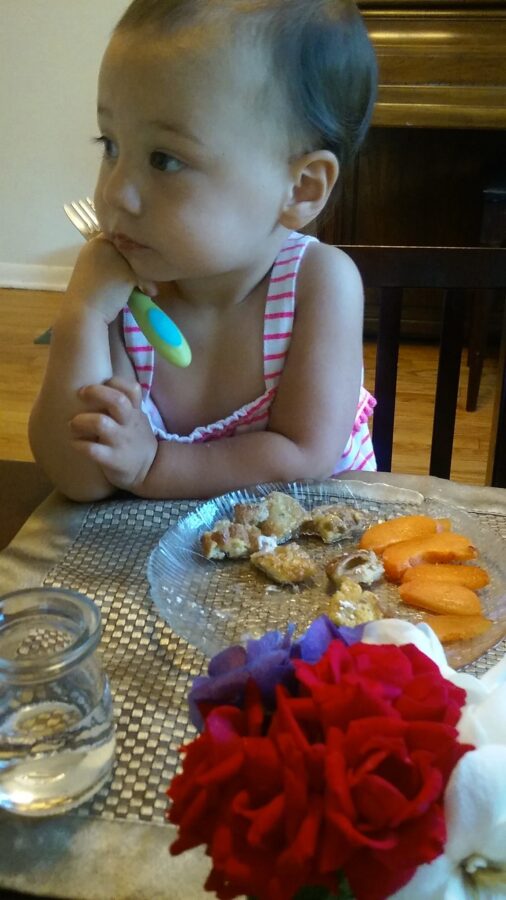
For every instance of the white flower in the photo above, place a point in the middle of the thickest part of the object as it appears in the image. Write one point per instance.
(473, 864)
(483, 719)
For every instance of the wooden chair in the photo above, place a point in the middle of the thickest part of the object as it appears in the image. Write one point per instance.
(492, 234)
(457, 270)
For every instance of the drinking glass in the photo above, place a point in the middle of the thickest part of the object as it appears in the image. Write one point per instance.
(57, 736)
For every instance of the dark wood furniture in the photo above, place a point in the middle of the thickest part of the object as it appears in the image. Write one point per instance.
(439, 127)
(453, 272)
(492, 234)
(22, 487)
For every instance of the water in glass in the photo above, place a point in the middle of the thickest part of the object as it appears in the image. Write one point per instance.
(56, 726)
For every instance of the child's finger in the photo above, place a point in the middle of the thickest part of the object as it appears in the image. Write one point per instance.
(115, 404)
(101, 454)
(94, 427)
(131, 389)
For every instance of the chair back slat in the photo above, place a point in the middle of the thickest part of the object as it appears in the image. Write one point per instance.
(455, 269)
(387, 355)
(447, 386)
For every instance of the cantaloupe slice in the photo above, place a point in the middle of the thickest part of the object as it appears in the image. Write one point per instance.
(472, 577)
(457, 628)
(437, 548)
(441, 597)
(403, 528)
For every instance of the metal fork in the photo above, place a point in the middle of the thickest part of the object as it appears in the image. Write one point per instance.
(159, 329)
(82, 214)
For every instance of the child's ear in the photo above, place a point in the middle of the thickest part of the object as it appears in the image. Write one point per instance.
(313, 177)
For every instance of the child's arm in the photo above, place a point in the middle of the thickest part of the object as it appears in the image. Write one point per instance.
(311, 418)
(79, 354)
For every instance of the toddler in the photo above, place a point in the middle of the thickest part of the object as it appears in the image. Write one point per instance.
(223, 127)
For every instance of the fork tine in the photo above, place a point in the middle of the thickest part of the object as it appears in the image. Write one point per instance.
(76, 219)
(76, 205)
(89, 208)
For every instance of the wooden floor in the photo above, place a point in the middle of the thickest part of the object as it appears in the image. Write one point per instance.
(26, 314)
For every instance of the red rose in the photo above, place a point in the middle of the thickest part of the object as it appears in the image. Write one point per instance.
(348, 775)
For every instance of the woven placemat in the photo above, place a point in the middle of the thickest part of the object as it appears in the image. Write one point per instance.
(149, 666)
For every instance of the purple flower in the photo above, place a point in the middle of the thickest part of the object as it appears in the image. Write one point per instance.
(320, 633)
(268, 661)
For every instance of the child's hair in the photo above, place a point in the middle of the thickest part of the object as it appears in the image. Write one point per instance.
(320, 56)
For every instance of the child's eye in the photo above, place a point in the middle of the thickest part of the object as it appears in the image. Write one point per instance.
(109, 147)
(165, 162)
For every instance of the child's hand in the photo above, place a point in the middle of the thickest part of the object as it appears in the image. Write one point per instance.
(103, 279)
(115, 433)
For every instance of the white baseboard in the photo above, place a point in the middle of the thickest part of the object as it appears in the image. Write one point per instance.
(34, 278)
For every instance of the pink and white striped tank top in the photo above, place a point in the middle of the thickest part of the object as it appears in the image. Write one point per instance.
(254, 416)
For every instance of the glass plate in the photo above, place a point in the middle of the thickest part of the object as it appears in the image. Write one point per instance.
(212, 604)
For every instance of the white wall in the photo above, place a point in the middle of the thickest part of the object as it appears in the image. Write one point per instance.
(50, 51)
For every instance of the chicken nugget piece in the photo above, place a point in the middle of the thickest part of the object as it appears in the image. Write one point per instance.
(351, 606)
(360, 565)
(436, 548)
(287, 564)
(285, 516)
(332, 522)
(403, 528)
(441, 597)
(230, 540)
(251, 513)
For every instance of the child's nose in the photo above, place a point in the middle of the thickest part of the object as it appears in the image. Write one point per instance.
(121, 190)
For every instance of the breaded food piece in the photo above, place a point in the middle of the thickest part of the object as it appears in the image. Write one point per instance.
(444, 547)
(441, 597)
(351, 606)
(288, 564)
(362, 566)
(251, 513)
(332, 522)
(285, 516)
(469, 576)
(230, 540)
(403, 528)
(457, 628)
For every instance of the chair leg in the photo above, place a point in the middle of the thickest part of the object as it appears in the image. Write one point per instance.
(447, 387)
(496, 468)
(387, 355)
(478, 333)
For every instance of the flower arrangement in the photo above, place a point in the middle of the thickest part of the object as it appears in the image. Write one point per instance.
(351, 763)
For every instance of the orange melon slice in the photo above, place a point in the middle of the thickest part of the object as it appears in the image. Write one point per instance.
(403, 528)
(457, 628)
(441, 597)
(437, 548)
(472, 577)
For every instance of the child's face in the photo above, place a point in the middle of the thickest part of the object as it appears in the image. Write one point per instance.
(190, 170)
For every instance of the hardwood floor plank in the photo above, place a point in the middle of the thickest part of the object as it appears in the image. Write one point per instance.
(26, 314)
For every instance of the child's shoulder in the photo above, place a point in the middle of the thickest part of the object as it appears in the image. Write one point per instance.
(325, 268)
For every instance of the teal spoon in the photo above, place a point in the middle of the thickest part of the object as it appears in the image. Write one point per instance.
(161, 332)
